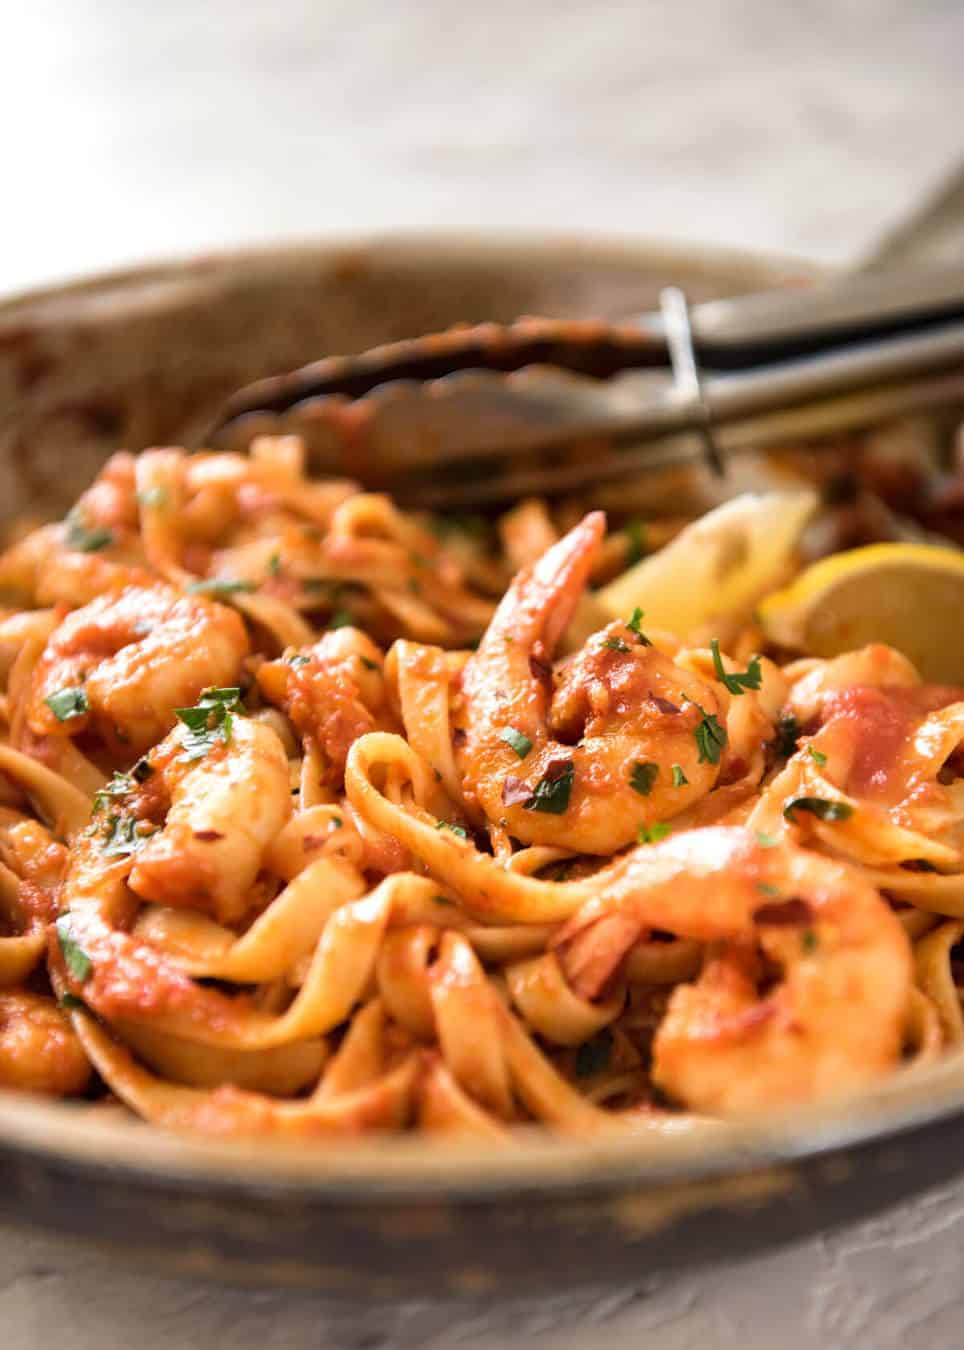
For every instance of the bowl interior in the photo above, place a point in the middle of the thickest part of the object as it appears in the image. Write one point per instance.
(142, 357)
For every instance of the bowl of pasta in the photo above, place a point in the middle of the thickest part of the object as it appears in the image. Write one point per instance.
(400, 902)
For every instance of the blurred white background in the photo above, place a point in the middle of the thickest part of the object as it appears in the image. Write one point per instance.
(132, 130)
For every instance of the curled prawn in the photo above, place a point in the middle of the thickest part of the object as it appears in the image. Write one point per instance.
(333, 693)
(132, 657)
(831, 1023)
(222, 813)
(619, 728)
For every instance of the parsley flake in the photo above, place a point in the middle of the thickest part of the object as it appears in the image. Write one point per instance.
(297, 660)
(652, 834)
(209, 721)
(274, 564)
(75, 958)
(552, 793)
(643, 776)
(616, 644)
(81, 539)
(458, 830)
(679, 777)
(516, 740)
(819, 807)
(593, 1056)
(443, 900)
(767, 888)
(367, 663)
(119, 786)
(817, 756)
(341, 619)
(736, 683)
(808, 942)
(123, 837)
(67, 703)
(220, 586)
(71, 1003)
(710, 737)
(633, 624)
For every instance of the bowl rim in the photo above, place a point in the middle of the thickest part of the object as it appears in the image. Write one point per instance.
(373, 1169)
(415, 243)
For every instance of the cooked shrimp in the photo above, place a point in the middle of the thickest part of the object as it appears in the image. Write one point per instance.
(132, 657)
(225, 809)
(618, 731)
(38, 1049)
(831, 1024)
(332, 692)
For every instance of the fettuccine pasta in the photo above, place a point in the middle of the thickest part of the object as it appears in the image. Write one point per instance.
(312, 824)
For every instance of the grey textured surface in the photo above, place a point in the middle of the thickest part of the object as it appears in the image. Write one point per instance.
(133, 131)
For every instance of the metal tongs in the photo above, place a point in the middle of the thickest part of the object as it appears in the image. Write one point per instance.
(490, 413)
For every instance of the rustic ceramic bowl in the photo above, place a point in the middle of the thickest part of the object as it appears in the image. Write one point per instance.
(141, 358)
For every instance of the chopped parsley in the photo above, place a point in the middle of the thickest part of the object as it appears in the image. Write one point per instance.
(141, 771)
(220, 586)
(817, 756)
(119, 786)
(123, 837)
(788, 733)
(78, 537)
(766, 888)
(75, 958)
(736, 683)
(637, 545)
(274, 564)
(209, 721)
(593, 1056)
(710, 737)
(819, 807)
(553, 790)
(341, 619)
(367, 663)
(679, 777)
(766, 840)
(652, 834)
(443, 900)
(616, 644)
(296, 661)
(633, 624)
(516, 740)
(808, 942)
(71, 1003)
(453, 829)
(336, 822)
(67, 703)
(643, 776)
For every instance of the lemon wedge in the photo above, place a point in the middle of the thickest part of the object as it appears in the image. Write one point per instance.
(717, 568)
(910, 596)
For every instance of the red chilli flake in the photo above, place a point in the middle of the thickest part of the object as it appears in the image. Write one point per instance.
(663, 704)
(208, 836)
(515, 791)
(540, 670)
(557, 768)
(788, 913)
(459, 736)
